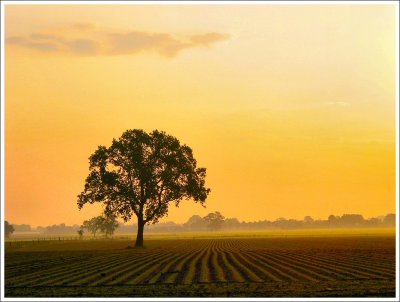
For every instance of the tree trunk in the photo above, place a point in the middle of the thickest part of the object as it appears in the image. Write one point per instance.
(139, 236)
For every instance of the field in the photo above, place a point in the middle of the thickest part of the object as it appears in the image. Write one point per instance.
(286, 264)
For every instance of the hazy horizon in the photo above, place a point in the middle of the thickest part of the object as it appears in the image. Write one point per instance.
(166, 220)
(290, 108)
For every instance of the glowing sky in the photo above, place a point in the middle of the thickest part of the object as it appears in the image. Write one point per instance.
(291, 108)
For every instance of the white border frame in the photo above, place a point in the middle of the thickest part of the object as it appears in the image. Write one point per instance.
(4, 3)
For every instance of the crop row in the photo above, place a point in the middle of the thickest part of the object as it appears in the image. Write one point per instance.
(197, 261)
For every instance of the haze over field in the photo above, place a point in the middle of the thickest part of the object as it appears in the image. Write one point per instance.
(290, 108)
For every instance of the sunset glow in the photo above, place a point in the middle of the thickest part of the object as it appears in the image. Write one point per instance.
(291, 108)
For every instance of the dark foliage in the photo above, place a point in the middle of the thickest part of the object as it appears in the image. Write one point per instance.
(141, 174)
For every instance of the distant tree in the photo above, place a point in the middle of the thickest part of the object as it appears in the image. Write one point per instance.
(308, 219)
(232, 223)
(374, 222)
(141, 174)
(40, 229)
(390, 220)
(332, 219)
(164, 227)
(93, 225)
(195, 222)
(8, 229)
(352, 220)
(214, 220)
(80, 232)
(22, 228)
(280, 223)
(60, 229)
(108, 225)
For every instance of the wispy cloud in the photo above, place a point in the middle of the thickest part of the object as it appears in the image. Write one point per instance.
(55, 44)
(134, 42)
(208, 38)
(87, 39)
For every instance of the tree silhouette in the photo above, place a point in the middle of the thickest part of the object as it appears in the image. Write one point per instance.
(390, 219)
(108, 225)
(8, 229)
(308, 220)
(352, 220)
(195, 222)
(232, 223)
(141, 174)
(80, 232)
(215, 220)
(93, 225)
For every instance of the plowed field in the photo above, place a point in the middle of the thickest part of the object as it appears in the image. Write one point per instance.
(263, 267)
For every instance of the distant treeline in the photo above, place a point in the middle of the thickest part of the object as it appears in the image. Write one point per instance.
(53, 229)
(216, 221)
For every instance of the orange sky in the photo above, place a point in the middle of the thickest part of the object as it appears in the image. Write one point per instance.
(291, 108)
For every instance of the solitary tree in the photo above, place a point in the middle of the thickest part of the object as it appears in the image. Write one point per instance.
(141, 174)
(215, 220)
(8, 229)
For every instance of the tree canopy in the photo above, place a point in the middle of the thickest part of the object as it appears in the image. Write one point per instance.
(8, 229)
(104, 224)
(93, 225)
(80, 233)
(215, 220)
(108, 225)
(141, 174)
